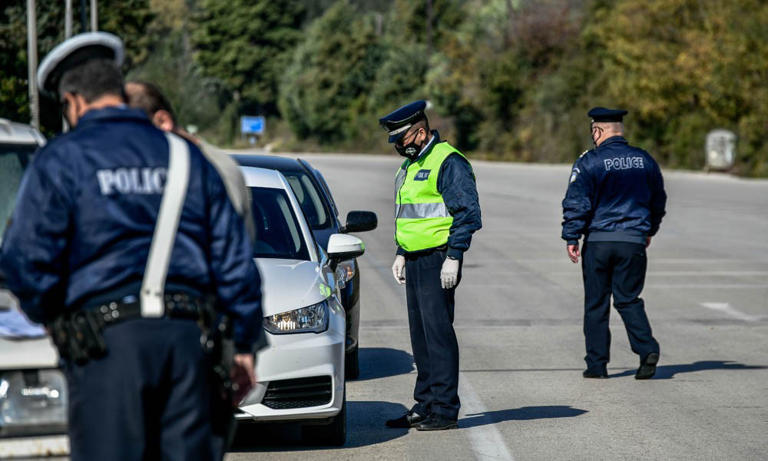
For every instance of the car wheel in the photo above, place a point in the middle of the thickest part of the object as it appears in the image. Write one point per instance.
(352, 364)
(334, 434)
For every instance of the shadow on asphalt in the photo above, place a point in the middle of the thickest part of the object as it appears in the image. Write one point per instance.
(365, 426)
(519, 414)
(383, 362)
(669, 371)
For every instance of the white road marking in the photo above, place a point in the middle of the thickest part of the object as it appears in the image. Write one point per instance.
(650, 286)
(709, 273)
(712, 286)
(727, 309)
(653, 273)
(486, 440)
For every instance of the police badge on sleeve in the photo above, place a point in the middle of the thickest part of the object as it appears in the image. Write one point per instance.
(574, 174)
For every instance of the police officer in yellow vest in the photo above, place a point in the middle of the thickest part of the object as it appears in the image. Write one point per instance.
(436, 213)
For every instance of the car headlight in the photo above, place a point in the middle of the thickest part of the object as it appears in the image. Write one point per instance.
(32, 402)
(310, 319)
(345, 272)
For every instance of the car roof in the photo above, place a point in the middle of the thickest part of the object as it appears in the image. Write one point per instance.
(263, 177)
(19, 133)
(268, 161)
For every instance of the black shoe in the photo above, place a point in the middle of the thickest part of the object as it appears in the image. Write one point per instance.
(648, 366)
(591, 374)
(437, 423)
(408, 420)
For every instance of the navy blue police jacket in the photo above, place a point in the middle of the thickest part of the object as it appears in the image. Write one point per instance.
(616, 193)
(85, 216)
(456, 183)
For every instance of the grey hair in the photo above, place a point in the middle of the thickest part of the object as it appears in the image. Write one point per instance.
(611, 127)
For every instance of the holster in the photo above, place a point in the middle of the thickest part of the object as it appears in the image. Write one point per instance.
(79, 336)
(218, 343)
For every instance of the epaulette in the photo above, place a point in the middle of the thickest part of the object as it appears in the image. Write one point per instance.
(585, 153)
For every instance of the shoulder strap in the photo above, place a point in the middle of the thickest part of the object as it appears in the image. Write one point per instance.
(153, 285)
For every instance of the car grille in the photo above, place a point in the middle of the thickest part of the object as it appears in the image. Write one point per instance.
(298, 393)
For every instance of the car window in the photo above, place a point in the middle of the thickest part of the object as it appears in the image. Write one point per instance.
(278, 234)
(328, 194)
(13, 160)
(312, 205)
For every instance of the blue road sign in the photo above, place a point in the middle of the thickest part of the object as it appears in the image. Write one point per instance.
(250, 124)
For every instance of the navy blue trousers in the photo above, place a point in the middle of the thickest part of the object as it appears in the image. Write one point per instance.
(148, 399)
(618, 269)
(433, 341)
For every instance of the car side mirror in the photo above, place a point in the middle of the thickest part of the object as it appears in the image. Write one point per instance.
(361, 221)
(342, 247)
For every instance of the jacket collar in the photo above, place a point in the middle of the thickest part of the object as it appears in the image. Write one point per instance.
(614, 140)
(121, 112)
(428, 148)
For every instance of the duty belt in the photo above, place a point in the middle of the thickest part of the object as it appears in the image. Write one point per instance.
(178, 305)
(79, 337)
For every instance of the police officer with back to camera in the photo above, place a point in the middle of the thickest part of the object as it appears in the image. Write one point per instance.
(616, 200)
(436, 213)
(125, 245)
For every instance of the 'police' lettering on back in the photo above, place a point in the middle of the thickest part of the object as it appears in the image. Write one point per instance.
(623, 163)
(132, 180)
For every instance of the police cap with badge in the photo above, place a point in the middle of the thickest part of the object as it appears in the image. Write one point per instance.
(75, 52)
(601, 114)
(398, 123)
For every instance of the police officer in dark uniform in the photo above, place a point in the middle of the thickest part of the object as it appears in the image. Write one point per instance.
(616, 200)
(436, 213)
(125, 244)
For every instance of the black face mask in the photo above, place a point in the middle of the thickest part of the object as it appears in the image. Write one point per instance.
(411, 150)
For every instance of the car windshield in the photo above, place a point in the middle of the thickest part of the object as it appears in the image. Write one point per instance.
(13, 159)
(278, 234)
(309, 199)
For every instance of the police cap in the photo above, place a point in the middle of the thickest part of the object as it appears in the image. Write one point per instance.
(74, 52)
(398, 122)
(601, 114)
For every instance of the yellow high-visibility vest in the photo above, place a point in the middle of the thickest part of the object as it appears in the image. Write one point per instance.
(422, 220)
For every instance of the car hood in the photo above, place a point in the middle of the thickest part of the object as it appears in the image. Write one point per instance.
(288, 284)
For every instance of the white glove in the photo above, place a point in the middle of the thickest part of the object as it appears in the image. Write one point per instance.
(449, 274)
(398, 269)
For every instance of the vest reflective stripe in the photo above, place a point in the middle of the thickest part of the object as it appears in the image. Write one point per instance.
(422, 220)
(421, 210)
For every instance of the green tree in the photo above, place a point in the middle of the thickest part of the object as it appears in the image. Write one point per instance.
(126, 18)
(400, 78)
(244, 44)
(686, 67)
(324, 94)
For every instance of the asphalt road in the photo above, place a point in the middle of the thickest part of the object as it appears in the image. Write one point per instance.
(518, 319)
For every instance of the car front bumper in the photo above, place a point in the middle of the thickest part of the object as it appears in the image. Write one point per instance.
(301, 376)
(34, 447)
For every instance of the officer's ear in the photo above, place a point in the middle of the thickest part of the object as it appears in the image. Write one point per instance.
(163, 120)
(73, 107)
(423, 131)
